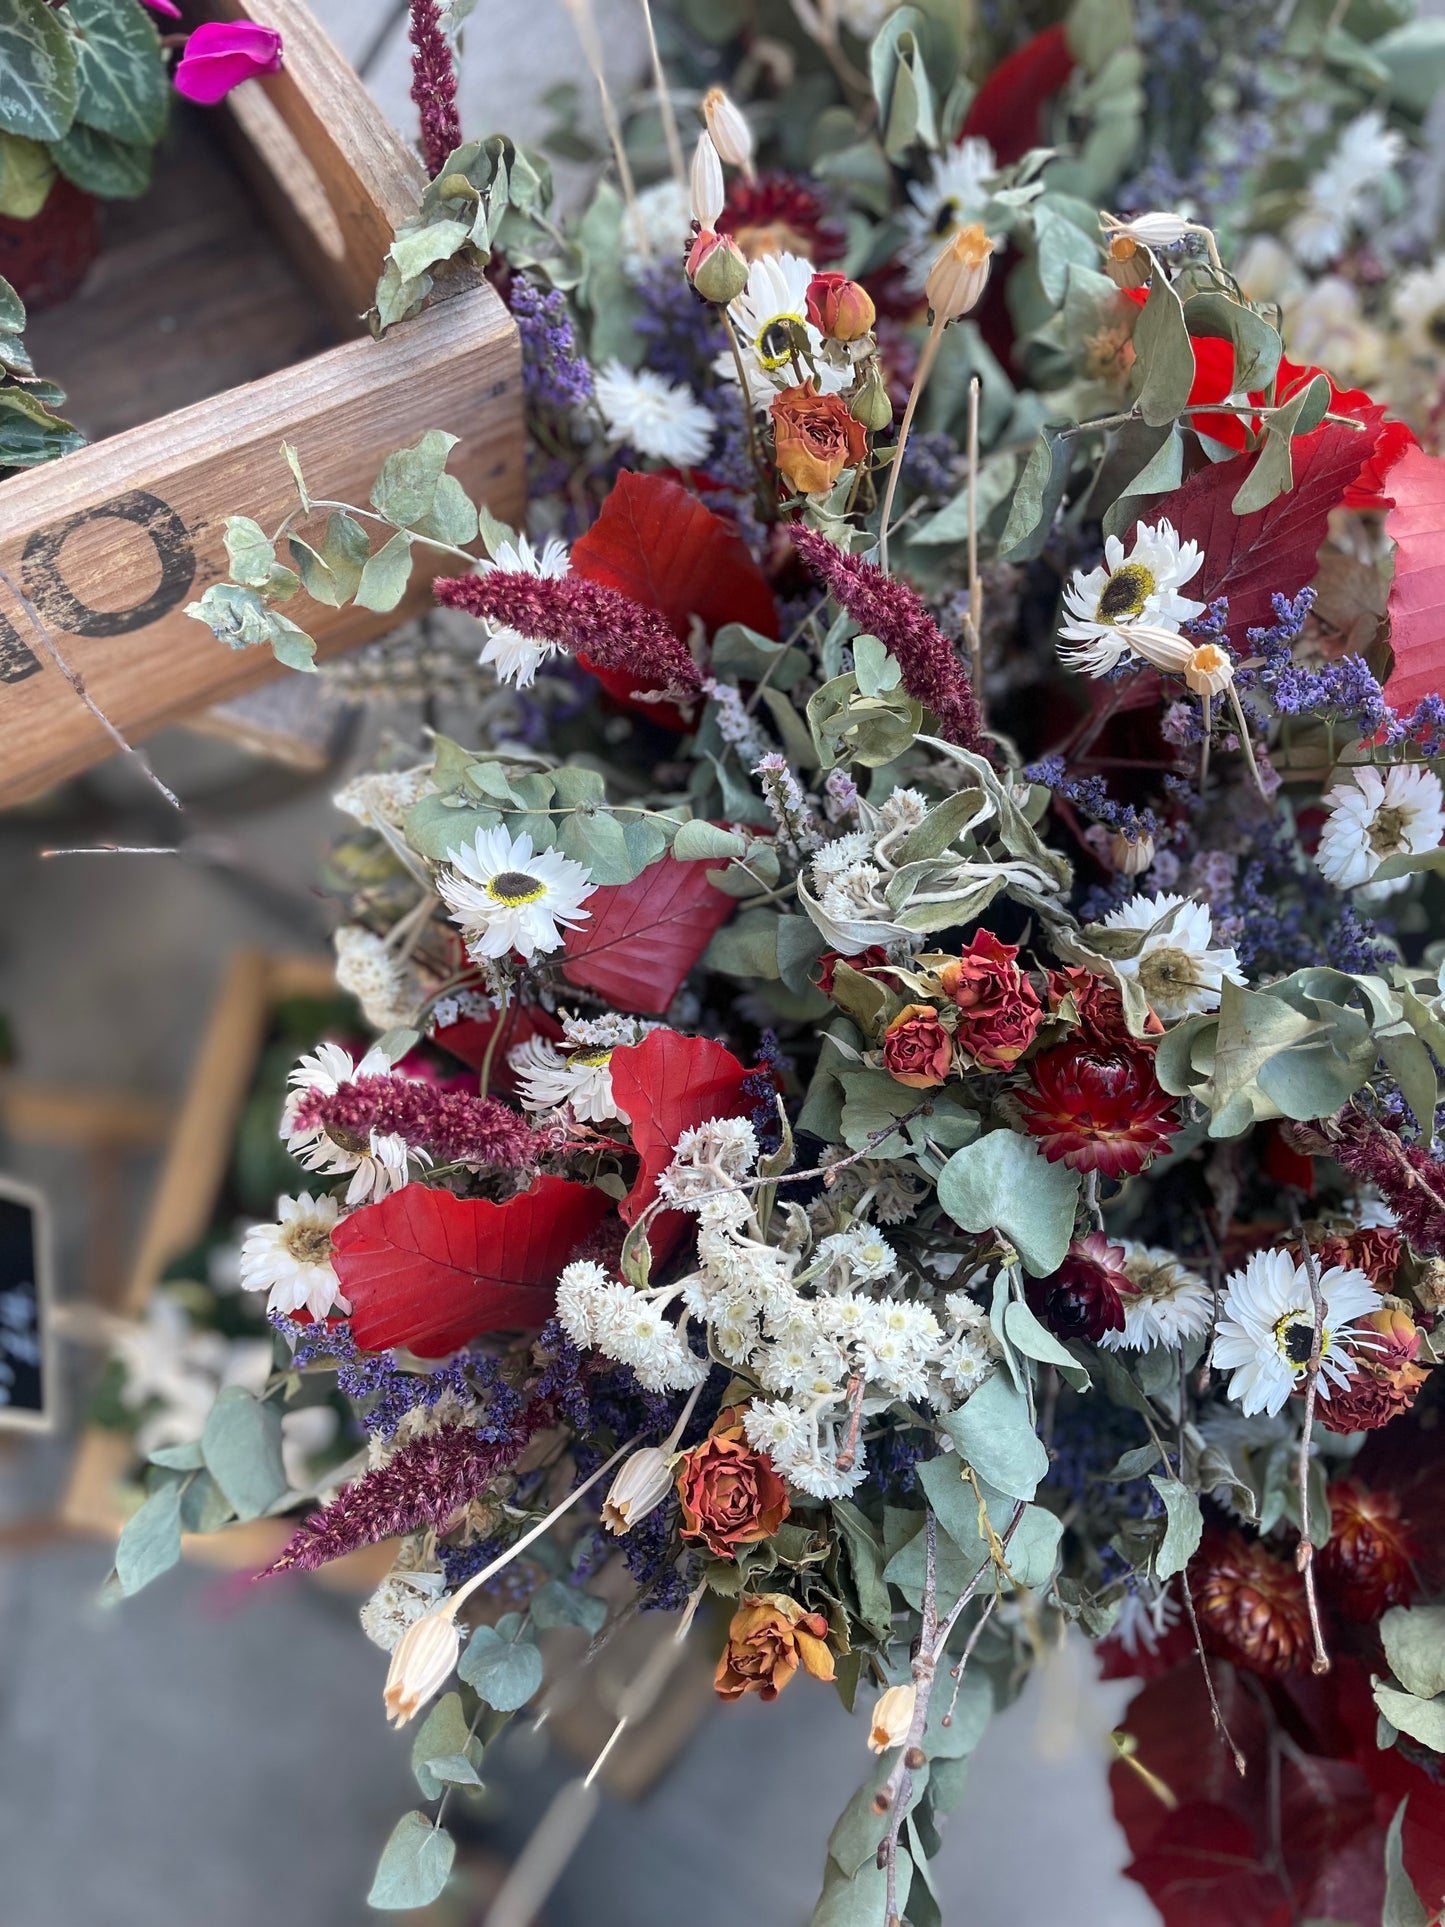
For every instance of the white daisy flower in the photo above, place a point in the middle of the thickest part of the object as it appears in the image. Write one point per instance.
(1342, 192)
(1266, 1332)
(1101, 604)
(1417, 305)
(291, 1259)
(548, 1078)
(326, 1069)
(659, 418)
(1169, 1304)
(764, 315)
(504, 896)
(1378, 814)
(516, 657)
(378, 1166)
(1177, 966)
(953, 197)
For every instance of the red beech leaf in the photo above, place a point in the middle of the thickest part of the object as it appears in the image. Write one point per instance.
(655, 541)
(643, 937)
(1250, 557)
(667, 1084)
(468, 1039)
(431, 1271)
(1006, 109)
(1416, 525)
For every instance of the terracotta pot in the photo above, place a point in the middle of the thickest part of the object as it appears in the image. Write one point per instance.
(46, 258)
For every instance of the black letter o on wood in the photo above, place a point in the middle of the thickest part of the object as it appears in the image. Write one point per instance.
(60, 607)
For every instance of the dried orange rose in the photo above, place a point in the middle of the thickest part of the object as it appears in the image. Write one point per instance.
(815, 438)
(768, 1639)
(730, 1494)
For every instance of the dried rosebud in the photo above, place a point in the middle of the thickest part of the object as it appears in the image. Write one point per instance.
(707, 183)
(917, 1050)
(731, 135)
(871, 403)
(730, 1494)
(1130, 856)
(838, 308)
(639, 1488)
(892, 1717)
(769, 1637)
(814, 438)
(423, 1661)
(958, 277)
(999, 1012)
(716, 268)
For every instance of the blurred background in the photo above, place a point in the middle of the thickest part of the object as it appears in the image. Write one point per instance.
(213, 1752)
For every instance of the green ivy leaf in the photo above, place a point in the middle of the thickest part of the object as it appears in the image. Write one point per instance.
(150, 1541)
(414, 1865)
(242, 1447)
(503, 1672)
(123, 88)
(1002, 1182)
(38, 78)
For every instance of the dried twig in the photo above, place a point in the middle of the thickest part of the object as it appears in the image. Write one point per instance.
(1220, 1725)
(664, 102)
(1305, 1552)
(974, 625)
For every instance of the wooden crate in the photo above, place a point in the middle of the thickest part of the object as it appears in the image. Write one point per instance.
(193, 291)
(182, 1208)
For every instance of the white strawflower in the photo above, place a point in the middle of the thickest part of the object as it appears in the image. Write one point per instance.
(1140, 588)
(504, 896)
(953, 197)
(778, 1429)
(867, 1256)
(548, 1078)
(1378, 814)
(1417, 305)
(659, 418)
(1341, 193)
(1177, 966)
(326, 1069)
(388, 990)
(1266, 1330)
(403, 1597)
(1145, 1616)
(1169, 1304)
(291, 1259)
(666, 215)
(765, 315)
(516, 657)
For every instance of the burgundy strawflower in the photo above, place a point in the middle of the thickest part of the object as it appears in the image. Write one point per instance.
(585, 618)
(1410, 1180)
(452, 1127)
(1085, 1296)
(1251, 1606)
(1098, 1107)
(423, 1484)
(779, 214)
(434, 86)
(1368, 1562)
(932, 673)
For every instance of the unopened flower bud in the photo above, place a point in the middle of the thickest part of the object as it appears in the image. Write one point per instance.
(1209, 669)
(707, 183)
(1127, 262)
(871, 403)
(639, 1488)
(958, 277)
(1130, 857)
(892, 1717)
(838, 308)
(716, 268)
(731, 135)
(1157, 230)
(423, 1661)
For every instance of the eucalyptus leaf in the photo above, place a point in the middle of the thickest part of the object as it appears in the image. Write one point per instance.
(444, 1742)
(1164, 356)
(414, 1866)
(994, 1433)
(242, 1447)
(1403, 1906)
(385, 577)
(555, 1604)
(1422, 1719)
(1414, 1642)
(1037, 1341)
(150, 1540)
(1184, 1528)
(503, 1672)
(1003, 1182)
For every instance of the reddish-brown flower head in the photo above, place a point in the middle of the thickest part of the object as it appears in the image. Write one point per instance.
(999, 1011)
(1098, 1107)
(814, 438)
(1367, 1564)
(917, 1050)
(1251, 1606)
(873, 958)
(839, 308)
(730, 1494)
(1085, 1296)
(1375, 1251)
(1096, 1004)
(768, 1639)
(1387, 1378)
(776, 214)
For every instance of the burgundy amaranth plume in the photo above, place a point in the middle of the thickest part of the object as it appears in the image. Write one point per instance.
(434, 86)
(583, 617)
(932, 673)
(1411, 1182)
(452, 1127)
(424, 1483)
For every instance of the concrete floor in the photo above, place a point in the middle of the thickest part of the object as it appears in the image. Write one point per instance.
(173, 1763)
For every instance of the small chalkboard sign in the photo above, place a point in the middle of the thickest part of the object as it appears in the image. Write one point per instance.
(27, 1391)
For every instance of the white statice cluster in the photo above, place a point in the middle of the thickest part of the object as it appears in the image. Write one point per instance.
(576, 1075)
(384, 983)
(826, 1329)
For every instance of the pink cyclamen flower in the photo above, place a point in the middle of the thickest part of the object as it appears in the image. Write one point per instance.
(167, 7)
(220, 55)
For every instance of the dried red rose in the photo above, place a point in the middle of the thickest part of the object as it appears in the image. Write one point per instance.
(1386, 1379)
(768, 1639)
(1085, 1297)
(1251, 1606)
(873, 958)
(730, 1494)
(1368, 1561)
(1098, 1107)
(838, 308)
(999, 1011)
(814, 438)
(917, 1050)
(1097, 1005)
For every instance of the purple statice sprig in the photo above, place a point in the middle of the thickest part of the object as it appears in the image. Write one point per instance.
(555, 373)
(1089, 795)
(384, 1393)
(761, 1086)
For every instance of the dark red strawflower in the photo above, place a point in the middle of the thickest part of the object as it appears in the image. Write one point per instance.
(1410, 1180)
(434, 86)
(1098, 1107)
(452, 1127)
(1085, 1296)
(875, 957)
(1386, 1379)
(1251, 1606)
(779, 214)
(1374, 1250)
(932, 672)
(1368, 1562)
(584, 618)
(423, 1483)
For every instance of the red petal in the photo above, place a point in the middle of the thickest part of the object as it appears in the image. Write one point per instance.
(667, 1084)
(643, 937)
(1416, 524)
(657, 543)
(1006, 109)
(431, 1271)
(468, 1039)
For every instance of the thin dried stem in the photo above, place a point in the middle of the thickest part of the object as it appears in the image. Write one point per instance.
(585, 25)
(664, 102)
(920, 379)
(975, 586)
(1305, 1552)
(1216, 1712)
